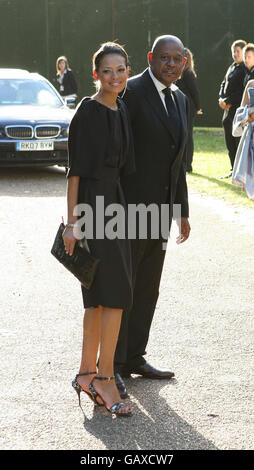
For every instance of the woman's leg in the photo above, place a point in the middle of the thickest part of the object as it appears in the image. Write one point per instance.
(91, 338)
(110, 320)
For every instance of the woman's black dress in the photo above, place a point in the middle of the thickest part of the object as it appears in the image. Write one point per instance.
(188, 85)
(100, 151)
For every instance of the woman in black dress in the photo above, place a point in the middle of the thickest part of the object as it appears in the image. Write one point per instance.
(188, 85)
(100, 151)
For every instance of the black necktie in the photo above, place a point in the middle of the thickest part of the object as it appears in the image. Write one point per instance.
(172, 114)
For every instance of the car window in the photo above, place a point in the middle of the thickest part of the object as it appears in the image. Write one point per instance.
(27, 92)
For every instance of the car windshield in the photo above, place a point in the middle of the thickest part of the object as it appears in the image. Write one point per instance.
(27, 92)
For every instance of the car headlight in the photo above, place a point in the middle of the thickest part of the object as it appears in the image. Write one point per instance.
(65, 131)
(2, 132)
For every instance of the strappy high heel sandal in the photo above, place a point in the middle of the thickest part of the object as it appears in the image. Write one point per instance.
(114, 409)
(79, 389)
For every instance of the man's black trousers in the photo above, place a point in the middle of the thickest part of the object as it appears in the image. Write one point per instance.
(148, 258)
(231, 141)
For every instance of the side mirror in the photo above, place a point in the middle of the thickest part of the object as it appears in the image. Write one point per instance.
(70, 101)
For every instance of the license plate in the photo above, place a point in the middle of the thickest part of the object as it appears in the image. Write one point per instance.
(32, 146)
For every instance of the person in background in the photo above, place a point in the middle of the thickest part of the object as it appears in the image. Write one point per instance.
(248, 57)
(230, 96)
(188, 85)
(243, 126)
(65, 77)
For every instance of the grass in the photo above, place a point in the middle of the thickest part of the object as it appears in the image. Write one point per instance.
(209, 163)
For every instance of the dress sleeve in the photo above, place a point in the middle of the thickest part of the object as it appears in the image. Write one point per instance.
(87, 141)
(129, 166)
(240, 121)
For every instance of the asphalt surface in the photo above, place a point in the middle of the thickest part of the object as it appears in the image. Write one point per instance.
(202, 330)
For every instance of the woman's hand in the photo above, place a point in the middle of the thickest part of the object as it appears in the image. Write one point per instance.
(199, 111)
(69, 240)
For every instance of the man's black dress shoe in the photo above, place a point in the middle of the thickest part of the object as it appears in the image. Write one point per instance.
(121, 385)
(148, 371)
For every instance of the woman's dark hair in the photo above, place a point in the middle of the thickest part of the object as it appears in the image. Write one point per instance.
(105, 49)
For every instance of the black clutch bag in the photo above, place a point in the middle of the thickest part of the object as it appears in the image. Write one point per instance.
(81, 263)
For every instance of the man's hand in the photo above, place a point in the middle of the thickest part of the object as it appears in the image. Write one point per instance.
(184, 229)
(223, 105)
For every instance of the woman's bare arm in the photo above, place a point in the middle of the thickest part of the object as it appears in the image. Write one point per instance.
(72, 200)
(72, 197)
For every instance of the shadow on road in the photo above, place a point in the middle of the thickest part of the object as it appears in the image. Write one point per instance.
(154, 425)
(33, 182)
(222, 184)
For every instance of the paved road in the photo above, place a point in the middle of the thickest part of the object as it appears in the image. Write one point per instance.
(203, 330)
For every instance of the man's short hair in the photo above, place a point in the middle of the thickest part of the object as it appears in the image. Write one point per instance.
(248, 47)
(239, 43)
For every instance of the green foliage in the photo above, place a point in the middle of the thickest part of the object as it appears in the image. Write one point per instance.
(34, 33)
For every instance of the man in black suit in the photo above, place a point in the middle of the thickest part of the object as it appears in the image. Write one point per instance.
(230, 96)
(158, 113)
